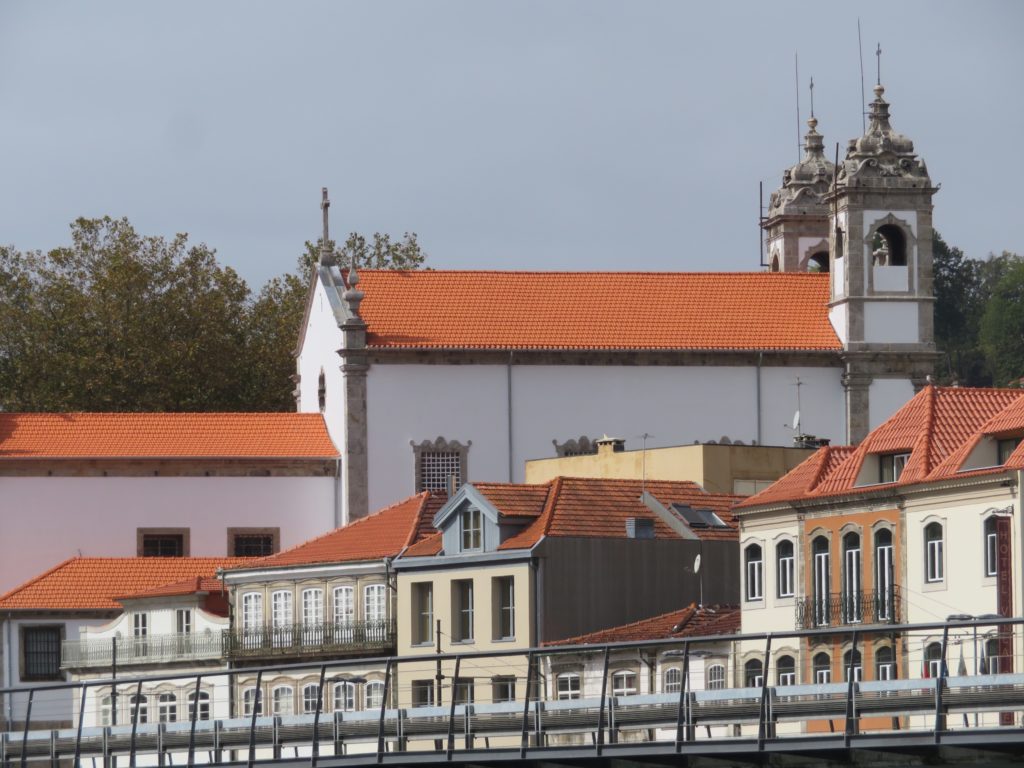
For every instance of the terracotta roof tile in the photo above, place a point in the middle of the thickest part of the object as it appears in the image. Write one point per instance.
(185, 587)
(383, 534)
(515, 499)
(427, 547)
(597, 310)
(691, 621)
(164, 435)
(95, 583)
(938, 427)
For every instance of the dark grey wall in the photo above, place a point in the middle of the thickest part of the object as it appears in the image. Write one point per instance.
(587, 584)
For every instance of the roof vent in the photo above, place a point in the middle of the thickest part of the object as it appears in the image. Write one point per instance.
(639, 528)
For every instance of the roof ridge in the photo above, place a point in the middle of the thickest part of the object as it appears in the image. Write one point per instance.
(655, 272)
(410, 539)
(547, 515)
(926, 438)
(39, 577)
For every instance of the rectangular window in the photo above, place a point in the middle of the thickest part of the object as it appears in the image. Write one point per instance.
(933, 561)
(754, 573)
(423, 693)
(568, 686)
(40, 650)
(822, 676)
(464, 690)
(183, 621)
(503, 689)
(252, 611)
(253, 542)
(423, 613)
(504, 601)
(472, 533)
(786, 575)
(891, 466)
(140, 624)
(312, 616)
(462, 610)
(787, 678)
(163, 545)
(281, 618)
(1006, 447)
(437, 467)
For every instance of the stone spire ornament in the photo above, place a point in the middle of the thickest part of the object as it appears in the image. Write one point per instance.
(352, 296)
(326, 256)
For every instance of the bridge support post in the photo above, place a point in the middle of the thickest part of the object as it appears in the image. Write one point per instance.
(599, 736)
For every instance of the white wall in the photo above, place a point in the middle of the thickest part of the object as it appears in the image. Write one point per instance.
(886, 396)
(319, 352)
(891, 322)
(49, 519)
(675, 404)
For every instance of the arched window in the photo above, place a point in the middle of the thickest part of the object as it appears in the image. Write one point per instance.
(822, 577)
(204, 705)
(755, 572)
(139, 709)
(840, 244)
(822, 664)
(624, 683)
(852, 665)
(889, 247)
(784, 569)
(990, 658)
(775, 263)
(785, 670)
(568, 685)
(321, 391)
(851, 597)
(753, 674)
(310, 697)
(252, 697)
(885, 664)
(715, 677)
(991, 563)
(885, 591)
(933, 555)
(933, 660)
(374, 694)
(283, 700)
(167, 708)
(673, 680)
(818, 262)
(344, 697)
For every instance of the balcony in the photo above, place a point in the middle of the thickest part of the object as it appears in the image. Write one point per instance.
(844, 608)
(356, 638)
(151, 649)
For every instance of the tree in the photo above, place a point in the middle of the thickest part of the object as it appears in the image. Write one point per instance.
(959, 303)
(1002, 325)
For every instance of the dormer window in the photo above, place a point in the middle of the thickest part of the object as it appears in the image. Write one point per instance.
(1006, 447)
(891, 466)
(472, 530)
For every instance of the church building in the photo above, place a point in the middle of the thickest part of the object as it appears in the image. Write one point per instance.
(431, 377)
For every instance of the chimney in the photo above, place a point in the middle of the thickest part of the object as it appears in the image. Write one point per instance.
(639, 528)
(608, 445)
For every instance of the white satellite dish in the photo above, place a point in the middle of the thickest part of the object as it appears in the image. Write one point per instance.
(696, 564)
(796, 421)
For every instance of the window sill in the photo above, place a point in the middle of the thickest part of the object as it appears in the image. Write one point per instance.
(504, 640)
(471, 641)
(934, 586)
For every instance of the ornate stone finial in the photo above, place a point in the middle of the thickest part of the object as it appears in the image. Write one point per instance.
(352, 296)
(326, 257)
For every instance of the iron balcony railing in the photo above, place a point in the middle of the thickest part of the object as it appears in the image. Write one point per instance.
(148, 649)
(355, 637)
(845, 608)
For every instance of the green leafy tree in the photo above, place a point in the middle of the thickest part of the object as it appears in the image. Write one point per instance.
(1002, 325)
(959, 304)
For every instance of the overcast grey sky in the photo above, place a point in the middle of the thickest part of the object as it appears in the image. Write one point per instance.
(536, 135)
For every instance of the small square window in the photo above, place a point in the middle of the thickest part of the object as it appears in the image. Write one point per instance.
(162, 542)
(253, 542)
(440, 463)
(40, 653)
(891, 466)
(503, 689)
(423, 693)
(1006, 447)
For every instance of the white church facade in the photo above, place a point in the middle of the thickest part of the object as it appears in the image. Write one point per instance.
(431, 375)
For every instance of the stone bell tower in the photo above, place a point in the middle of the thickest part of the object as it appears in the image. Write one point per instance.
(880, 227)
(796, 227)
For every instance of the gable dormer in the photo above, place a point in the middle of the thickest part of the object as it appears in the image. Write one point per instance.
(992, 450)
(470, 524)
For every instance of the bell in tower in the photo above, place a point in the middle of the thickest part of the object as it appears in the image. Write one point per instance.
(797, 225)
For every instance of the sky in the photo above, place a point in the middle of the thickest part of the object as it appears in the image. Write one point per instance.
(570, 134)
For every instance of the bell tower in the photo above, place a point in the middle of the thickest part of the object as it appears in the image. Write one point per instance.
(880, 229)
(796, 228)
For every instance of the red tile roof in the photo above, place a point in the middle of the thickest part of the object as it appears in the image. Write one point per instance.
(382, 534)
(189, 586)
(95, 583)
(691, 621)
(938, 427)
(597, 310)
(591, 507)
(164, 435)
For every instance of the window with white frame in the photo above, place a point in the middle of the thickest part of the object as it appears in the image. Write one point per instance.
(423, 693)
(714, 678)
(503, 688)
(933, 553)
(673, 680)
(462, 610)
(885, 663)
(373, 694)
(344, 613)
(568, 685)
(106, 710)
(140, 624)
(281, 614)
(375, 610)
(252, 612)
(183, 621)
(753, 674)
(784, 561)
(623, 683)
(471, 529)
(282, 699)
(312, 616)
(204, 705)
(344, 697)
(990, 658)
(852, 666)
(310, 697)
(423, 612)
(822, 667)
(251, 697)
(991, 560)
(139, 708)
(885, 576)
(504, 602)
(786, 670)
(891, 466)
(167, 708)
(755, 572)
(465, 690)
(933, 660)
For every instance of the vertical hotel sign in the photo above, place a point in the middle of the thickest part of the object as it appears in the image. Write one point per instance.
(1004, 599)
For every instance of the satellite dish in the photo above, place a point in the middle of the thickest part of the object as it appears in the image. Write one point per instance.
(796, 421)
(696, 564)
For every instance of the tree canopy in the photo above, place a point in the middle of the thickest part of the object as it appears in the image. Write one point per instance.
(118, 321)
